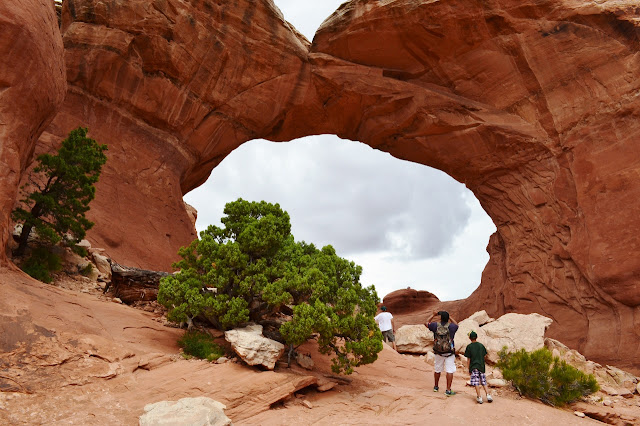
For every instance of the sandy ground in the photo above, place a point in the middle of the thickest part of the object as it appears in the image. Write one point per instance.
(73, 356)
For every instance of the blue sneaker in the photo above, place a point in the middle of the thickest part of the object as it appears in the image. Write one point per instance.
(436, 389)
(449, 392)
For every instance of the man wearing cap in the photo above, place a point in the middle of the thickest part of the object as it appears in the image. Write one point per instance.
(445, 359)
(385, 321)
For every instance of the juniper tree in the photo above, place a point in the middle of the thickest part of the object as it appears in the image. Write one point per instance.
(63, 188)
(252, 269)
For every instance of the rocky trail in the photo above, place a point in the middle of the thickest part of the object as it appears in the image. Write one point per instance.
(73, 356)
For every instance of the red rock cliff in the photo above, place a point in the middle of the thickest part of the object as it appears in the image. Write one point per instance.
(32, 86)
(533, 105)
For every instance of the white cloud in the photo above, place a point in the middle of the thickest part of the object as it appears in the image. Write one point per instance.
(406, 224)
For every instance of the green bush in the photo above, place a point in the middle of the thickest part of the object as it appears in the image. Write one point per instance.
(200, 345)
(540, 376)
(41, 263)
(253, 269)
(87, 270)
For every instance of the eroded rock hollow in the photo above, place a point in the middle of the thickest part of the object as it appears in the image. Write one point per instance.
(533, 105)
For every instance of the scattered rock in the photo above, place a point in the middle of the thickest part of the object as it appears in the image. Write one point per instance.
(152, 361)
(84, 244)
(304, 361)
(116, 300)
(416, 339)
(215, 333)
(481, 318)
(186, 411)
(253, 347)
(222, 360)
(327, 386)
(607, 402)
(102, 263)
(609, 390)
(579, 414)
(307, 404)
(497, 383)
(626, 393)
(430, 358)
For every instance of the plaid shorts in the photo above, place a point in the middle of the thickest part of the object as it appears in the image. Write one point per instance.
(478, 378)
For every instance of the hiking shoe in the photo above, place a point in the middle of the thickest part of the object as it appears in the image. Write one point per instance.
(479, 399)
(436, 389)
(489, 399)
(449, 392)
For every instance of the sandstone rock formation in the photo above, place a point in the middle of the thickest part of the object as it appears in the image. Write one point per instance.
(533, 105)
(515, 331)
(32, 87)
(201, 411)
(253, 347)
(415, 339)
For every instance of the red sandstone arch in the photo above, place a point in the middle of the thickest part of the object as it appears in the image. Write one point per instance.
(533, 105)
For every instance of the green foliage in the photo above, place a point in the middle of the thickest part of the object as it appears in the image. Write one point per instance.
(64, 186)
(41, 263)
(200, 345)
(87, 270)
(540, 376)
(252, 269)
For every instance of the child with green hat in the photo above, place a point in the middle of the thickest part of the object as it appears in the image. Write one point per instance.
(475, 354)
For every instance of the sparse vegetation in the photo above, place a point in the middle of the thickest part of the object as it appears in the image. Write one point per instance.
(200, 345)
(539, 375)
(252, 269)
(63, 187)
(41, 263)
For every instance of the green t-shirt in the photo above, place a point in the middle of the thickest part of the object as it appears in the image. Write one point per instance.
(475, 352)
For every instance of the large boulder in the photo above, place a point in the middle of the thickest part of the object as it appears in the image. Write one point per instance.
(415, 339)
(515, 332)
(462, 336)
(200, 411)
(253, 347)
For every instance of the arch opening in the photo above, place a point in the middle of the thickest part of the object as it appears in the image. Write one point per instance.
(406, 224)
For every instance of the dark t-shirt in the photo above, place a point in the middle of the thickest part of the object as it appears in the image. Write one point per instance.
(433, 326)
(475, 352)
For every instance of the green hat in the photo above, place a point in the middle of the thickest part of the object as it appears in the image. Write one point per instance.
(473, 335)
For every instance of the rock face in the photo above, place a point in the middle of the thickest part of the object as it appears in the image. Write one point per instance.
(416, 339)
(253, 347)
(32, 87)
(515, 331)
(533, 105)
(201, 411)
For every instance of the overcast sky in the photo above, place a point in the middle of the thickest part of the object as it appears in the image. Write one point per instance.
(407, 225)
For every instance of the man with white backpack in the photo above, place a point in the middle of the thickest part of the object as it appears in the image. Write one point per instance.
(444, 348)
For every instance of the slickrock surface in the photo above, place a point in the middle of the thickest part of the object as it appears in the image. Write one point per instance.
(32, 87)
(533, 105)
(75, 358)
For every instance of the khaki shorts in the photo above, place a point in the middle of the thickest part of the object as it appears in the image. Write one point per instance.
(388, 336)
(446, 363)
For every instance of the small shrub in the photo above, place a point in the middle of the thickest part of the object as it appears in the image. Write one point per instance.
(200, 345)
(87, 270)
(41, 263)
(540, 376)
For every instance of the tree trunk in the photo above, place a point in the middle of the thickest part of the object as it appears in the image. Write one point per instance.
(134, 285)
(24, 239)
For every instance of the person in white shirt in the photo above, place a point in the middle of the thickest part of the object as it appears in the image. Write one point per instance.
(385, 321)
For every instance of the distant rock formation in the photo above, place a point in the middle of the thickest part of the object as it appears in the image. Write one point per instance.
(533, 105)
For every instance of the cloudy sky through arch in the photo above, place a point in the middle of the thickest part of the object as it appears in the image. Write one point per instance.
(407, 225)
